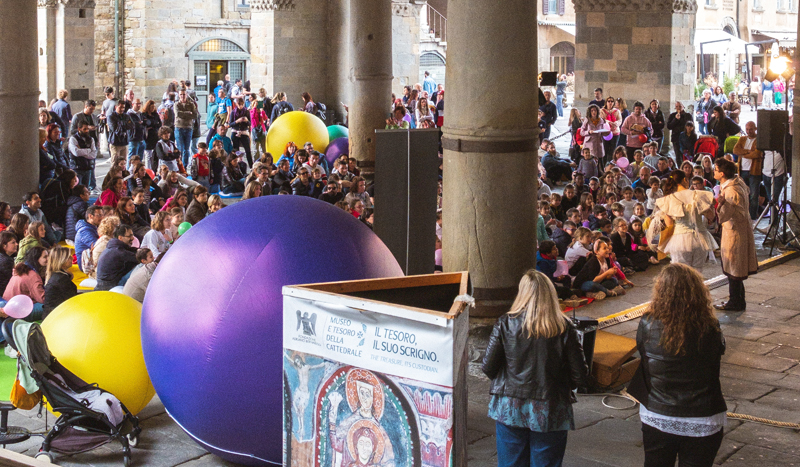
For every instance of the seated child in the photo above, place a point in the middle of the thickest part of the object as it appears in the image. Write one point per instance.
(570, 199)
(598, 213)
(638, 213)
(597, 277)
(547, 263)
(578, 250)
(604, 227)
(623, 245)
(557, 209)
(616, 211)
(627, 202)
(563, 236)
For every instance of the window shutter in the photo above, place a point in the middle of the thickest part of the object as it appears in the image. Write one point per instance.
(562, 6)
(545, 7)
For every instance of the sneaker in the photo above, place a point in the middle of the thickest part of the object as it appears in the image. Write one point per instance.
(11, 353)
(628, 271)
(596, 295)
(618, 290)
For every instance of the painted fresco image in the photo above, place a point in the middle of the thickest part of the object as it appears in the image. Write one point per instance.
(343, 416)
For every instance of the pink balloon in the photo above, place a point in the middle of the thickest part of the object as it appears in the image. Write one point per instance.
(608, 136)
(20, 306)
(623, 162)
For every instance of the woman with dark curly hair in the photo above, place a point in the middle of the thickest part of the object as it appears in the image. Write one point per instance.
(681, 344)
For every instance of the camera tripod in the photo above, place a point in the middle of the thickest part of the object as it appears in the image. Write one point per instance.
(779, 215)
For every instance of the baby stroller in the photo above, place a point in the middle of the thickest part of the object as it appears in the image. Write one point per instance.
(706, 144)
(90, 417)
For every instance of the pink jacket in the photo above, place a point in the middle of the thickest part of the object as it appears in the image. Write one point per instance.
(30, 284)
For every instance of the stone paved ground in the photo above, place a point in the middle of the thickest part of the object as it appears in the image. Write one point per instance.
(760, 377)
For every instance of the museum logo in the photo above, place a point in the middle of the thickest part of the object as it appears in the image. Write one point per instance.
(308, 324)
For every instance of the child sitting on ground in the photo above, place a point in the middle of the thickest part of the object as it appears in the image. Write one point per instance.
(556, 208)
(638, 213)
(578, 250)
(627, 202)
(547, 263)
(562, 236)
(570, 199)
(544, 221)
(616, 211)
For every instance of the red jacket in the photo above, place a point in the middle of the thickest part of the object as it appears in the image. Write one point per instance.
(108, 197)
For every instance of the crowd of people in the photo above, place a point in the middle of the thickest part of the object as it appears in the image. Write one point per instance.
(628, 203)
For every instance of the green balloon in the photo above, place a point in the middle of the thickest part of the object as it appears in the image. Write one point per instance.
(184, 227)
(337, 131)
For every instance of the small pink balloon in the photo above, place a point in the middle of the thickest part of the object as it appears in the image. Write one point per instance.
(623, 162)
(20, 306)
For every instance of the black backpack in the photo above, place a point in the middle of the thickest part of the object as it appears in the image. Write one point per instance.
(319, 110)
(282, 109)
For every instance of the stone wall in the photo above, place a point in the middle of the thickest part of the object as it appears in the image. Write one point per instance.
(638, 51)
(405, 43)
(103, 47)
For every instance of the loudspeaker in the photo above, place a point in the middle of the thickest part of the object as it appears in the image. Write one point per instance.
(549, 78)
(407, 179)
(772, 127)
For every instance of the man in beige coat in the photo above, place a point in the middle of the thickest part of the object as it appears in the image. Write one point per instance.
(738, 246)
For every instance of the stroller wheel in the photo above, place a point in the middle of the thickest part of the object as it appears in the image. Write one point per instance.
(127, 461)
(133, 440)
(44, 456)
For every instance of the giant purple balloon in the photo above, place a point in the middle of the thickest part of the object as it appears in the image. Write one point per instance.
(212, 317)
(337, 147)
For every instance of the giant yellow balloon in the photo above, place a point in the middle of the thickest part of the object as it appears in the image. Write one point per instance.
(298, 127)
(97, 336)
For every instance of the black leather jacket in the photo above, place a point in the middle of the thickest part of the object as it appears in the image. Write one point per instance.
(678, 386)
(526, 368)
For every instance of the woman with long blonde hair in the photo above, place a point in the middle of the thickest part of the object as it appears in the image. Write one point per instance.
(58, 280)
(677, 384)
(535, 360)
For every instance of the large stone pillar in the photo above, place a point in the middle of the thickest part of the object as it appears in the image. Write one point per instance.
(46, 19)
(490, 147)
(19, 159)
(371, 61)
(635, 50)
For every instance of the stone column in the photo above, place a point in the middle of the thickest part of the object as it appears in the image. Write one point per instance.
(371, 61)
(75, 51)
(490, 147)
(637, 50)
(46, 19)
(19, 159)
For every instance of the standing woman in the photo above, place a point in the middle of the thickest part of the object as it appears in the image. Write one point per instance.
(703, 111)
(613, 117)
(677, 383)
(152, 123)
(656, 118)
(683, 212)
(622, 106)
(535, 360)
(738, 250)
(593, 140)
(575, 124)
(308, 103)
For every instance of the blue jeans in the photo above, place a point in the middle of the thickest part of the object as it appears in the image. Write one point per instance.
(84, 177)
(183, 137)
(36, 313)
(604, 286)
(774, 191)
(521, 447)
(92, 180)
(701, 128)
(560, 104)
(754, 182)
(135, 148)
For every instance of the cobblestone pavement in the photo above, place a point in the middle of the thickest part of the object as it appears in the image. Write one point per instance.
(760, 377)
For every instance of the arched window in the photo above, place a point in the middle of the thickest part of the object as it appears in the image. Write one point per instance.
(433, 63)
(562, 57)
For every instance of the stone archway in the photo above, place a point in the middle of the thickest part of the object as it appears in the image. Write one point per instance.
(211, 59)
(562, 57)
